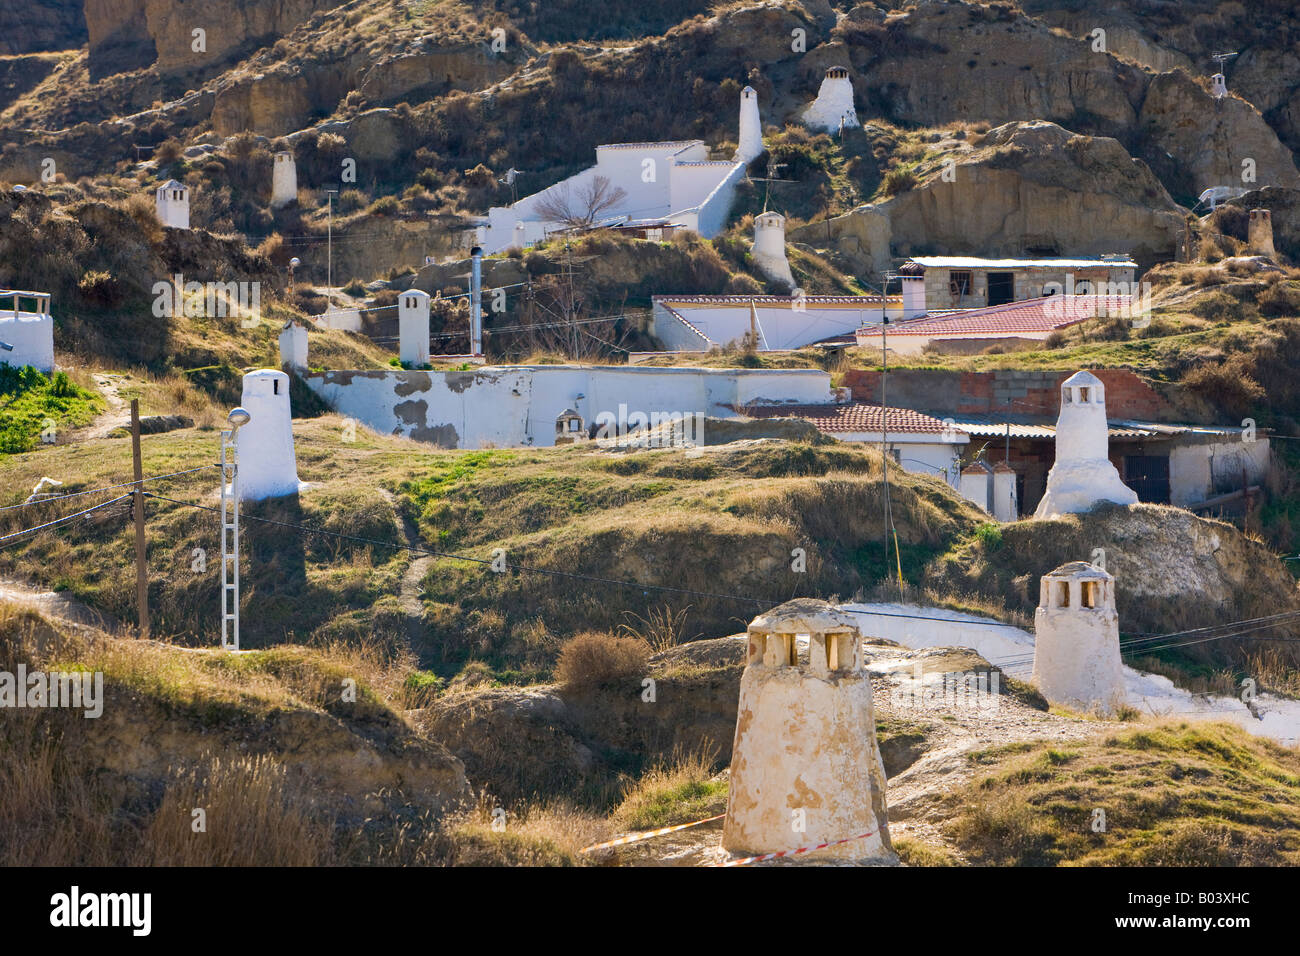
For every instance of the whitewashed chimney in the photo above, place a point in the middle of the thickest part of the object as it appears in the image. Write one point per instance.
(413, 327)
(267, 465)
(750, 140)
(1082, 476)
(293, 347)
(976, 485)
(172, 200)
(1076, 640)
(769, 247)
(1005, 505)
(805, 749)
(1219, 86)
(284, 180)
(913, 295)
(834, 103)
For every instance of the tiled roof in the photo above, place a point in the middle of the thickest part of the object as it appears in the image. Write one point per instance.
(679, 143)
(1027, 316)
(857, 417)
(744, 300)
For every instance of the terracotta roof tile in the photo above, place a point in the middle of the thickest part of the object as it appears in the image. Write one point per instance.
(856, 417)
(1027, 316)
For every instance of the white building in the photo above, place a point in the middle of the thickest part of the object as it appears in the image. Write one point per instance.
(805, 765)
(517, 406)
(834, 103)
(284, 180)
(1082, 476)
(26, 338)
(173, 204)
(674, 181)
(698, 323)
(267, 465)
(1076, 640)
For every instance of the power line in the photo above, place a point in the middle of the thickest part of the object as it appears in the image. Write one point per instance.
(93, 491)
(64, 519)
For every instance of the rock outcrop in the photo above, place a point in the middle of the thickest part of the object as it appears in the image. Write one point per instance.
(860, 238)
(1217, 141)
(1037, 188)
(130, 34)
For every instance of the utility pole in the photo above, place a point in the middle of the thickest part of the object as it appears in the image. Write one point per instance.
(329, 255)
(137, 502)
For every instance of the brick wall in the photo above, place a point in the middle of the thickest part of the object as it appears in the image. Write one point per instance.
(1007, 391)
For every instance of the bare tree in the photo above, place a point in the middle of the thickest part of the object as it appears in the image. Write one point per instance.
(580, 210)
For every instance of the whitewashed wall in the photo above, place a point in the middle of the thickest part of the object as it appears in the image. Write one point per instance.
(1195, 469)
(783, 328)
(32, 336)
(516, 406)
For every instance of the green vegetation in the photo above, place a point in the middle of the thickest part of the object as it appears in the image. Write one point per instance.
(33, 406)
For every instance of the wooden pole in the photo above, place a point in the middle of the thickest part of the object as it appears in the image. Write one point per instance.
(137, 500)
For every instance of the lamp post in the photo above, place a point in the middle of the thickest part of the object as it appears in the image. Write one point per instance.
(237, 418)
(294, 263)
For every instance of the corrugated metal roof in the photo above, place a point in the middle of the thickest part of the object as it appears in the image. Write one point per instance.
(990, 426)
(972, 262)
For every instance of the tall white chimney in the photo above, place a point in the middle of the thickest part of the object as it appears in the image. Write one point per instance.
(284, 180)
(750, 141)
(413, 327)
(769, 247)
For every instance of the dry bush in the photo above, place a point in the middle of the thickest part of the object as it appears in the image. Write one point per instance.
(661, 628)
(142, 210)
(595, 658)
(1279, 298)
(1229, 385)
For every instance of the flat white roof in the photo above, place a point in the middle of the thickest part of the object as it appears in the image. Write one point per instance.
(971, 262)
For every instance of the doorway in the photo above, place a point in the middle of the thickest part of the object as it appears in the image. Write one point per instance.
(1002, 288)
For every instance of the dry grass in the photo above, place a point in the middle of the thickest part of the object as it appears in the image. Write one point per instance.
(532, 835)
(684, 788)
(595, 659)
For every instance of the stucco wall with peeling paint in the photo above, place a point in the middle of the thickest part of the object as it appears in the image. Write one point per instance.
(516, 406)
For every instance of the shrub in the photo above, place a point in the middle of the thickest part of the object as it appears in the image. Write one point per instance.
(1228, 385)
(385, 206)
(899, 181)
(1279, 298)
(989, 535)
(596, 658)
(1054, 340)
(351, 200)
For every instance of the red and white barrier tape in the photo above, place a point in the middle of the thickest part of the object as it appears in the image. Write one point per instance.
(637, 837)
(802, 849)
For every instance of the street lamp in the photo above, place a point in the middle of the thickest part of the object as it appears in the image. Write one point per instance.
(294, 263)
(237, 419)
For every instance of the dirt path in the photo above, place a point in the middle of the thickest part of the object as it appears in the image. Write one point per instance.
(117, 416)
(54, 605)
(408, 594)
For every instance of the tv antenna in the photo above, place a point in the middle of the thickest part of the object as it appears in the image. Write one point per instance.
(770, 178)
(1221, 58)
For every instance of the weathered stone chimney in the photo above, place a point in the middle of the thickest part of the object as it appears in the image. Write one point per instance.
(1259, 240)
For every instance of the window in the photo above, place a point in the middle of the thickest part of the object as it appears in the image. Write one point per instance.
(959, 284)
(1083, 394)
